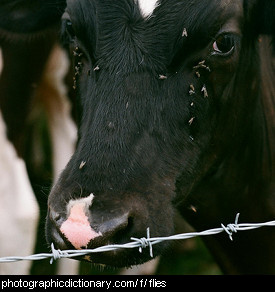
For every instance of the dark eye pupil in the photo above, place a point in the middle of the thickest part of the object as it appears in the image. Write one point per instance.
(225, 43)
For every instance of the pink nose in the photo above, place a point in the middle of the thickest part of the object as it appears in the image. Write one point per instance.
(77, 228)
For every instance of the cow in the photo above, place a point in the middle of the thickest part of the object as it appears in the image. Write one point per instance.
(32, 69)
(177, 113)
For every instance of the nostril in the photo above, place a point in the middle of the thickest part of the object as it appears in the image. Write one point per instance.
(123, 235)
(130, 223)
(117, 230)
(114, 225)
(53, 234)
(130, 226)
(55, 216)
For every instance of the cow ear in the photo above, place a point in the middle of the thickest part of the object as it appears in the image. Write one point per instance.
(264, 18)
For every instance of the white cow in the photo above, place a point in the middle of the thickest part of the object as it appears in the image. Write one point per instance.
(19, 211)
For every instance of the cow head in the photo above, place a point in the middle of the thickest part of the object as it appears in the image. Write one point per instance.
(159, 87)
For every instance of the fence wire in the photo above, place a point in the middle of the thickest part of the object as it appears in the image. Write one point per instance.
(140, 243)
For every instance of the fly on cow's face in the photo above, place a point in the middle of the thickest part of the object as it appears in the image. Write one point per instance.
(190, 122)
(192, 89)
(162, 77)
(77, 54)
(82, 164)
(184, 33)
(77, 70)
(204, 91)
(198, 74)
(202, 65)
(96, 68)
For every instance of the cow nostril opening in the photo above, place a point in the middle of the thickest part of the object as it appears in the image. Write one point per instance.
(56, 217)
(53, 234)
(123, 234)
(130, 224)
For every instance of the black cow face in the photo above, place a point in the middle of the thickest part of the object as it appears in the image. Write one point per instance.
(158, 87)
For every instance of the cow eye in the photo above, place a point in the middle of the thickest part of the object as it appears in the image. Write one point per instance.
(224, 45)
(68, 33)
(69, 29)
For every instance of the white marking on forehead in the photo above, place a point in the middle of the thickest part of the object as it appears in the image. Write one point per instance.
(147, 7)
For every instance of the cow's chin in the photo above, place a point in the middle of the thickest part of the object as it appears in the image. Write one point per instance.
(118, 259)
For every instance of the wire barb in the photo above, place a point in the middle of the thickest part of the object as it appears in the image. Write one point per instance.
(232, 228)
(144, 242)
(56, 254)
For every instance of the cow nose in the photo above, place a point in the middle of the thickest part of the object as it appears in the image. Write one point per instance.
(82, 232)
(77, 228)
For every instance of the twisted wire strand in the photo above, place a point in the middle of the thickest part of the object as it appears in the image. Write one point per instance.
(140, 243)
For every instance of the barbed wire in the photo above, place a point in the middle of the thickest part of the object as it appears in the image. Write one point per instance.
(140, 243)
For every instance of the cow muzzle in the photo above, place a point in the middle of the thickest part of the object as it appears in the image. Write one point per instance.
(81, 227)
(75, 227)
(106, 219)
